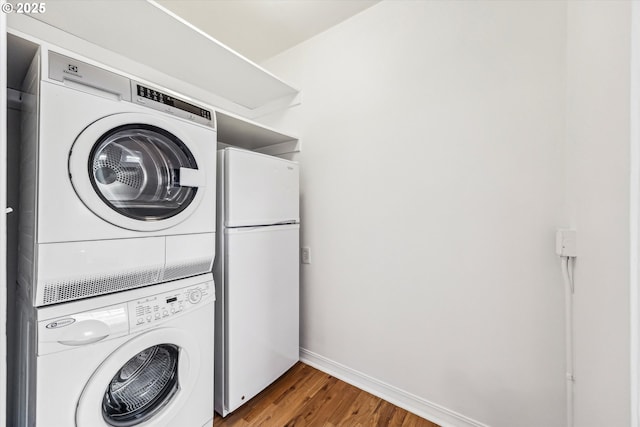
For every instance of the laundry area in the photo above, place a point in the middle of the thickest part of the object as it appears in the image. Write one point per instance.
(147, 225)
(416, 213)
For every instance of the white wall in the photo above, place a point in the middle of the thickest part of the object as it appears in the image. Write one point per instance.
(432, 183)
(598, 80)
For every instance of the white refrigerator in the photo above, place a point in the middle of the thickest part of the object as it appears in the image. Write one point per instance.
(256, 273)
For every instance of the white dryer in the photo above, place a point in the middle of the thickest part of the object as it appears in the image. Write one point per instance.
(126, 359)
(118, 183)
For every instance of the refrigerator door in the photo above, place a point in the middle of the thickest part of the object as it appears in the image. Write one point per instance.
(262, 308)
(259, 189)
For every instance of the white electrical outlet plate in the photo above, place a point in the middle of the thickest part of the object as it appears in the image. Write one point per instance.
(305, 255)
(566, 242)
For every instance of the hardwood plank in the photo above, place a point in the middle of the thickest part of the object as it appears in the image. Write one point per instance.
(412, 420)
(291, 380)
(361, 410)
(307, 414)
(298, 373)
(398, 417)
(341, 406)
(307, 397)
(301, 383)
(383, 413)
(291, 404)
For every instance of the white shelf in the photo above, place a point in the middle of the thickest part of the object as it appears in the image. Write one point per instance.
(145, 32)
(232, 129)
(239, 132)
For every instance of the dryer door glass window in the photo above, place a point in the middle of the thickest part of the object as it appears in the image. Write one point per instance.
(135, 169)
(143, 386)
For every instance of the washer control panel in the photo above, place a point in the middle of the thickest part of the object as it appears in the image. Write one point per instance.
(149, 311)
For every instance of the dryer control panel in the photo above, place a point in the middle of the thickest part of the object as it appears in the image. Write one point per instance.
(92, 79)
(158, 100)
(149, 311)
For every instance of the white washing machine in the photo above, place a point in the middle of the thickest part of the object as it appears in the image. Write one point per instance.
(133, 358)
(118, 183)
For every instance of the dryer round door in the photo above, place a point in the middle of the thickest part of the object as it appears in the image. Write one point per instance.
(144, 382)
(137, 171)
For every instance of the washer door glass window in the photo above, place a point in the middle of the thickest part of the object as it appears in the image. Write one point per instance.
(135, 169)
(143, 386)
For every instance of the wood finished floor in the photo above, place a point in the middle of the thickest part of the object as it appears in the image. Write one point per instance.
(305, 396)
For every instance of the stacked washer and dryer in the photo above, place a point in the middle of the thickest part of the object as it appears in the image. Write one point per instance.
(117, 241)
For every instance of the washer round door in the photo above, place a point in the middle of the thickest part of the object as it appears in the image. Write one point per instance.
(136, 171)
(144, 382)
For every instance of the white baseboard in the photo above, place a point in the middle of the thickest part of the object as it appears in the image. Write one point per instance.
(405, 400)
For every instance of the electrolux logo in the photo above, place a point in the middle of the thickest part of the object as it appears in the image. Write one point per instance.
(61, 323)
(73, 70)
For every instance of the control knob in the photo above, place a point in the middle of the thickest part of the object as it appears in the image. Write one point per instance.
(195, 296)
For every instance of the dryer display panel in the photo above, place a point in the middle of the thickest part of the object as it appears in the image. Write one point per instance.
(171, 101)
(135, 169)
